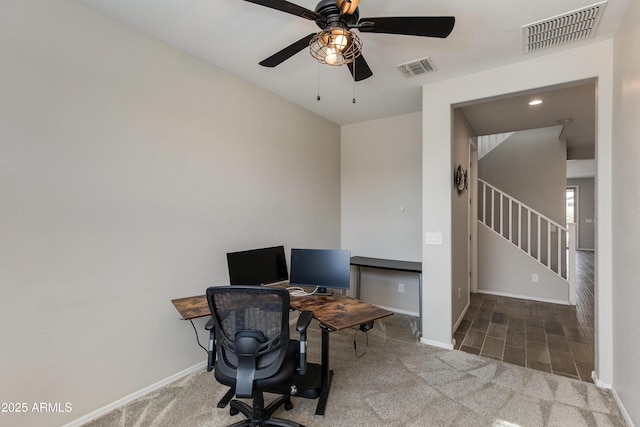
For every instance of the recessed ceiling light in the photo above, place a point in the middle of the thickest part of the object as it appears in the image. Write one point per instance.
(535, 102)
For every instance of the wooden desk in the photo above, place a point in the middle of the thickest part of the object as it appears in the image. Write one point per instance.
(335, 312)
(192, 307)
(390, 264)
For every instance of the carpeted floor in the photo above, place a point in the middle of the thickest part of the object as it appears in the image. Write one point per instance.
(397, 382)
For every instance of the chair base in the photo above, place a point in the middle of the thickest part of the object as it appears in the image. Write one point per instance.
(227, 397)
(261, 416)
(309, 384)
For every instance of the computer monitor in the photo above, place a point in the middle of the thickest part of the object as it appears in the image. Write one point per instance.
(324, 268)
(257, 266)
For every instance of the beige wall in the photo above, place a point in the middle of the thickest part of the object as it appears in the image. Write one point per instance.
(380, 210)
(460, 287)
(127, 170)
(530, 166)
(626, 210)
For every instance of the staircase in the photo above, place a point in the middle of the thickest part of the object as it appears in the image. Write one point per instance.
(551, 244)
(486, 143)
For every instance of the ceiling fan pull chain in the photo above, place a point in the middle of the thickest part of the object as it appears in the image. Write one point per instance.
(354, 82)
(318, 96)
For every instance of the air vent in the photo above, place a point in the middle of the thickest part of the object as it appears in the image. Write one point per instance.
(417, 67)
(569, 27)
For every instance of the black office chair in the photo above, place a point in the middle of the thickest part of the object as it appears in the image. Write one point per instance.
(253, 351)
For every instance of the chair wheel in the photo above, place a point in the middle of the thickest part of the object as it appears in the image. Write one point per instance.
(288, 406)
(233, 411)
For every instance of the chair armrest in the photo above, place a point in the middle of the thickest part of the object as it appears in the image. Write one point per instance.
(210, 324)
(303, 322)
(211, 351)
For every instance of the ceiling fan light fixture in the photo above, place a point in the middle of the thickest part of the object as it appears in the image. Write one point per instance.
(336, 38)
(335, 46)
(347, 7)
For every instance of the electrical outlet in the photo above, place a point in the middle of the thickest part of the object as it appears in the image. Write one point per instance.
(534, 278)
(401, 287)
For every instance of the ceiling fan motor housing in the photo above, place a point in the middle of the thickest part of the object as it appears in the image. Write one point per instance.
(331, 17)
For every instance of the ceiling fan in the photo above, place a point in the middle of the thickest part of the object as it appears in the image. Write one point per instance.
(336, 44)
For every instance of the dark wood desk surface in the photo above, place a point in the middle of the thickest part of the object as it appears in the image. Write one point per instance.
(335, 311)
(387, 264)
(339, 311)
(192, 307)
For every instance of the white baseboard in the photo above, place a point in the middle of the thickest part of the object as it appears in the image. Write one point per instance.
(399, 311)
(460, 318)
(623, 410)
(120, 402)
(599, 383)
(444, 345)
(506, 294)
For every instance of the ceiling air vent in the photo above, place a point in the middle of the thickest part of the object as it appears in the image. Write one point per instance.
(417, 67)
(569, 27)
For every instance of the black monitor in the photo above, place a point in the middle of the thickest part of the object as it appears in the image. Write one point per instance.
(324, 268)
(257, 266)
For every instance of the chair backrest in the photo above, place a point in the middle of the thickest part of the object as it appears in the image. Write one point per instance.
(252, 332)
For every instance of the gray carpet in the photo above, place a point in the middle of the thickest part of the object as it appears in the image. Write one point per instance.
(397, 382)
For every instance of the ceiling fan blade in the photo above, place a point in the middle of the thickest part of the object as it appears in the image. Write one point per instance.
(424, 26)
(285, 6)
(362, 70)
(286, 53)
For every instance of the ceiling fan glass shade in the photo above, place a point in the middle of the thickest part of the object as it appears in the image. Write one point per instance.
(347, 7)
(335, 46)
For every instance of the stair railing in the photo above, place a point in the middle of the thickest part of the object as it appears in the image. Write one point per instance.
(529, 230)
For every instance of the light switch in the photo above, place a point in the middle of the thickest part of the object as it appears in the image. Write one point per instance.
(431, 238)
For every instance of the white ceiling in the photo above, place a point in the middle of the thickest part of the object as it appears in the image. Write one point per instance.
(573, 104)
(235, 35)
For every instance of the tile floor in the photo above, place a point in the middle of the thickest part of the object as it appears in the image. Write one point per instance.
(548, 337)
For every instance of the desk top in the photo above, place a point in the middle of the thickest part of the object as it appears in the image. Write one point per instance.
(339, 311)
(192, 307)
(335, 311)
(387, 264)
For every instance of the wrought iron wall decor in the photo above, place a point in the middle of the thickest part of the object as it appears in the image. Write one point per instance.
(460, 179)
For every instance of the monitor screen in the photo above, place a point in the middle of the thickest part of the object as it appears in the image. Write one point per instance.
(257, 266)
(325, 268)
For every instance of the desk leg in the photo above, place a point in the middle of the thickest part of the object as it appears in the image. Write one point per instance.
(325, 376)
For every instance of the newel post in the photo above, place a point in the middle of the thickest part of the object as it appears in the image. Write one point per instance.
(572, 263)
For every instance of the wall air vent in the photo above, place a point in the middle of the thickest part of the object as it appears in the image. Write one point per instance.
(417, 67)
(569, 27)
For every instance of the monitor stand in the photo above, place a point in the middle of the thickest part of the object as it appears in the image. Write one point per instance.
(323, 291)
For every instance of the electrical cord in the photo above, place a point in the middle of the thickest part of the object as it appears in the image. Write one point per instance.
(198, 336)
(355, 344)
(296, 291)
